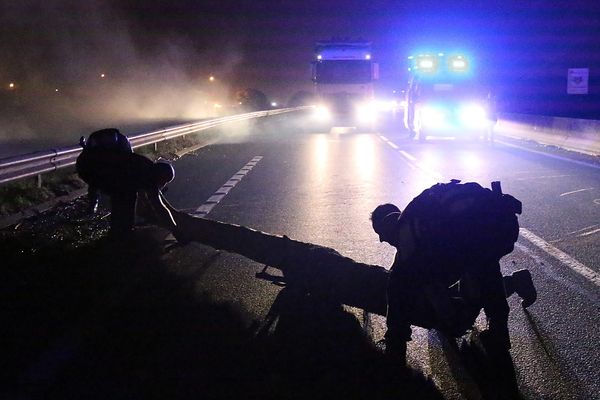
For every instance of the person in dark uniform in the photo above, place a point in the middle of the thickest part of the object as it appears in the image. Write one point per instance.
(108, 164)
(429, 296)
(109, 139)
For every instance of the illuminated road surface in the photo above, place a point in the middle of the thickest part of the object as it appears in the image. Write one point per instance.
(321, 187)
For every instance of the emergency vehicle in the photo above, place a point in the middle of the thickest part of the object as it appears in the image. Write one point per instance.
(343, 75)
(445, 98)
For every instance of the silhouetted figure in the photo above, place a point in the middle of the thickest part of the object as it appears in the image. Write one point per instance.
(109, 139)
(492, 116)
(449, 241)
(108, 164)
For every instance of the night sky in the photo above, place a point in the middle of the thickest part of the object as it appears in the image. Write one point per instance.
(167, 50)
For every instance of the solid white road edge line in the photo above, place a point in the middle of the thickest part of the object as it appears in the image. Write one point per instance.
(561, 256)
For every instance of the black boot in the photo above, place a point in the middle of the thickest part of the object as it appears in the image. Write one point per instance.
(523, 286)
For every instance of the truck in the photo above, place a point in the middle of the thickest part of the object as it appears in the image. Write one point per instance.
(445, 97)
(343, 76)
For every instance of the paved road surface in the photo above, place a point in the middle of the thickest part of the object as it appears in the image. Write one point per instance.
(320, 187)
(136, 321)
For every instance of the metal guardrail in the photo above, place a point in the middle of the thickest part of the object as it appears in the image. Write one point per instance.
(37, 163)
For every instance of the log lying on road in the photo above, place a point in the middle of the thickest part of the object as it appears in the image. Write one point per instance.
(320, 270)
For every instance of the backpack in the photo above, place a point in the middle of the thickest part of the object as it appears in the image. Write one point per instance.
(464, 223)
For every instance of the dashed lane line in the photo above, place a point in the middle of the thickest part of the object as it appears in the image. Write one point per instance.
(216, 198)
(561, 256)
(589, 233)
(575, 191)
(412, 161)
(583, 229)
(407, 155)
(389, 142)
(543, 177)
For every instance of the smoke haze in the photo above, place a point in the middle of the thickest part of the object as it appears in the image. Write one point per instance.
(55, 53)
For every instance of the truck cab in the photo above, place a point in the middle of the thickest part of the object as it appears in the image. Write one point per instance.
(343, 75)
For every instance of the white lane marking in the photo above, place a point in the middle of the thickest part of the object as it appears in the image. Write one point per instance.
(583, 229)
(575, 191)
(224, 190)
(407, 155)
(569, 261)
(434, 174)
(213, 200)
(561, 256)
(413, 163)
(553, 272)
(589, 233)
(543, 177)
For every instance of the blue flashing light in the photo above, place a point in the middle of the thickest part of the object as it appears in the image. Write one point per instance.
(434, 64)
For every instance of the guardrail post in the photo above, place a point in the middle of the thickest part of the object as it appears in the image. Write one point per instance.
(39, 180)
(155, 146)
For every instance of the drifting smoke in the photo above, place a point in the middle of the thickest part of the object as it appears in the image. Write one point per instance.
(78, 66)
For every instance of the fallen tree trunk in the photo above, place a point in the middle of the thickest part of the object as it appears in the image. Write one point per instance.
(320, 270)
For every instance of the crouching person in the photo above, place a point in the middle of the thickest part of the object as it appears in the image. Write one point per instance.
(446, 268)
(107, 164)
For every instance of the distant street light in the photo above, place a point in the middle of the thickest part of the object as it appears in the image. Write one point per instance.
(102, 76)
(11, 85)
(56, 90)
(211, 78)
(274, 104)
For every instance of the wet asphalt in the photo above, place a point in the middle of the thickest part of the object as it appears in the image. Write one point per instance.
(142, 320)
(321, 186)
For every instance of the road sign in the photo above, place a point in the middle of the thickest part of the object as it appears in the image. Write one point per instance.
(577, 80)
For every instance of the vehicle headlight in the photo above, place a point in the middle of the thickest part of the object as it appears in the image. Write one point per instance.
(322, 113)
(367, 112)
(473, 115)
(387, 106)
(433, 116)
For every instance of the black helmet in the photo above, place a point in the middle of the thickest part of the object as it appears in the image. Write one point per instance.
(109, 139)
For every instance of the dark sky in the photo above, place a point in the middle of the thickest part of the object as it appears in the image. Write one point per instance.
(268, 44)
